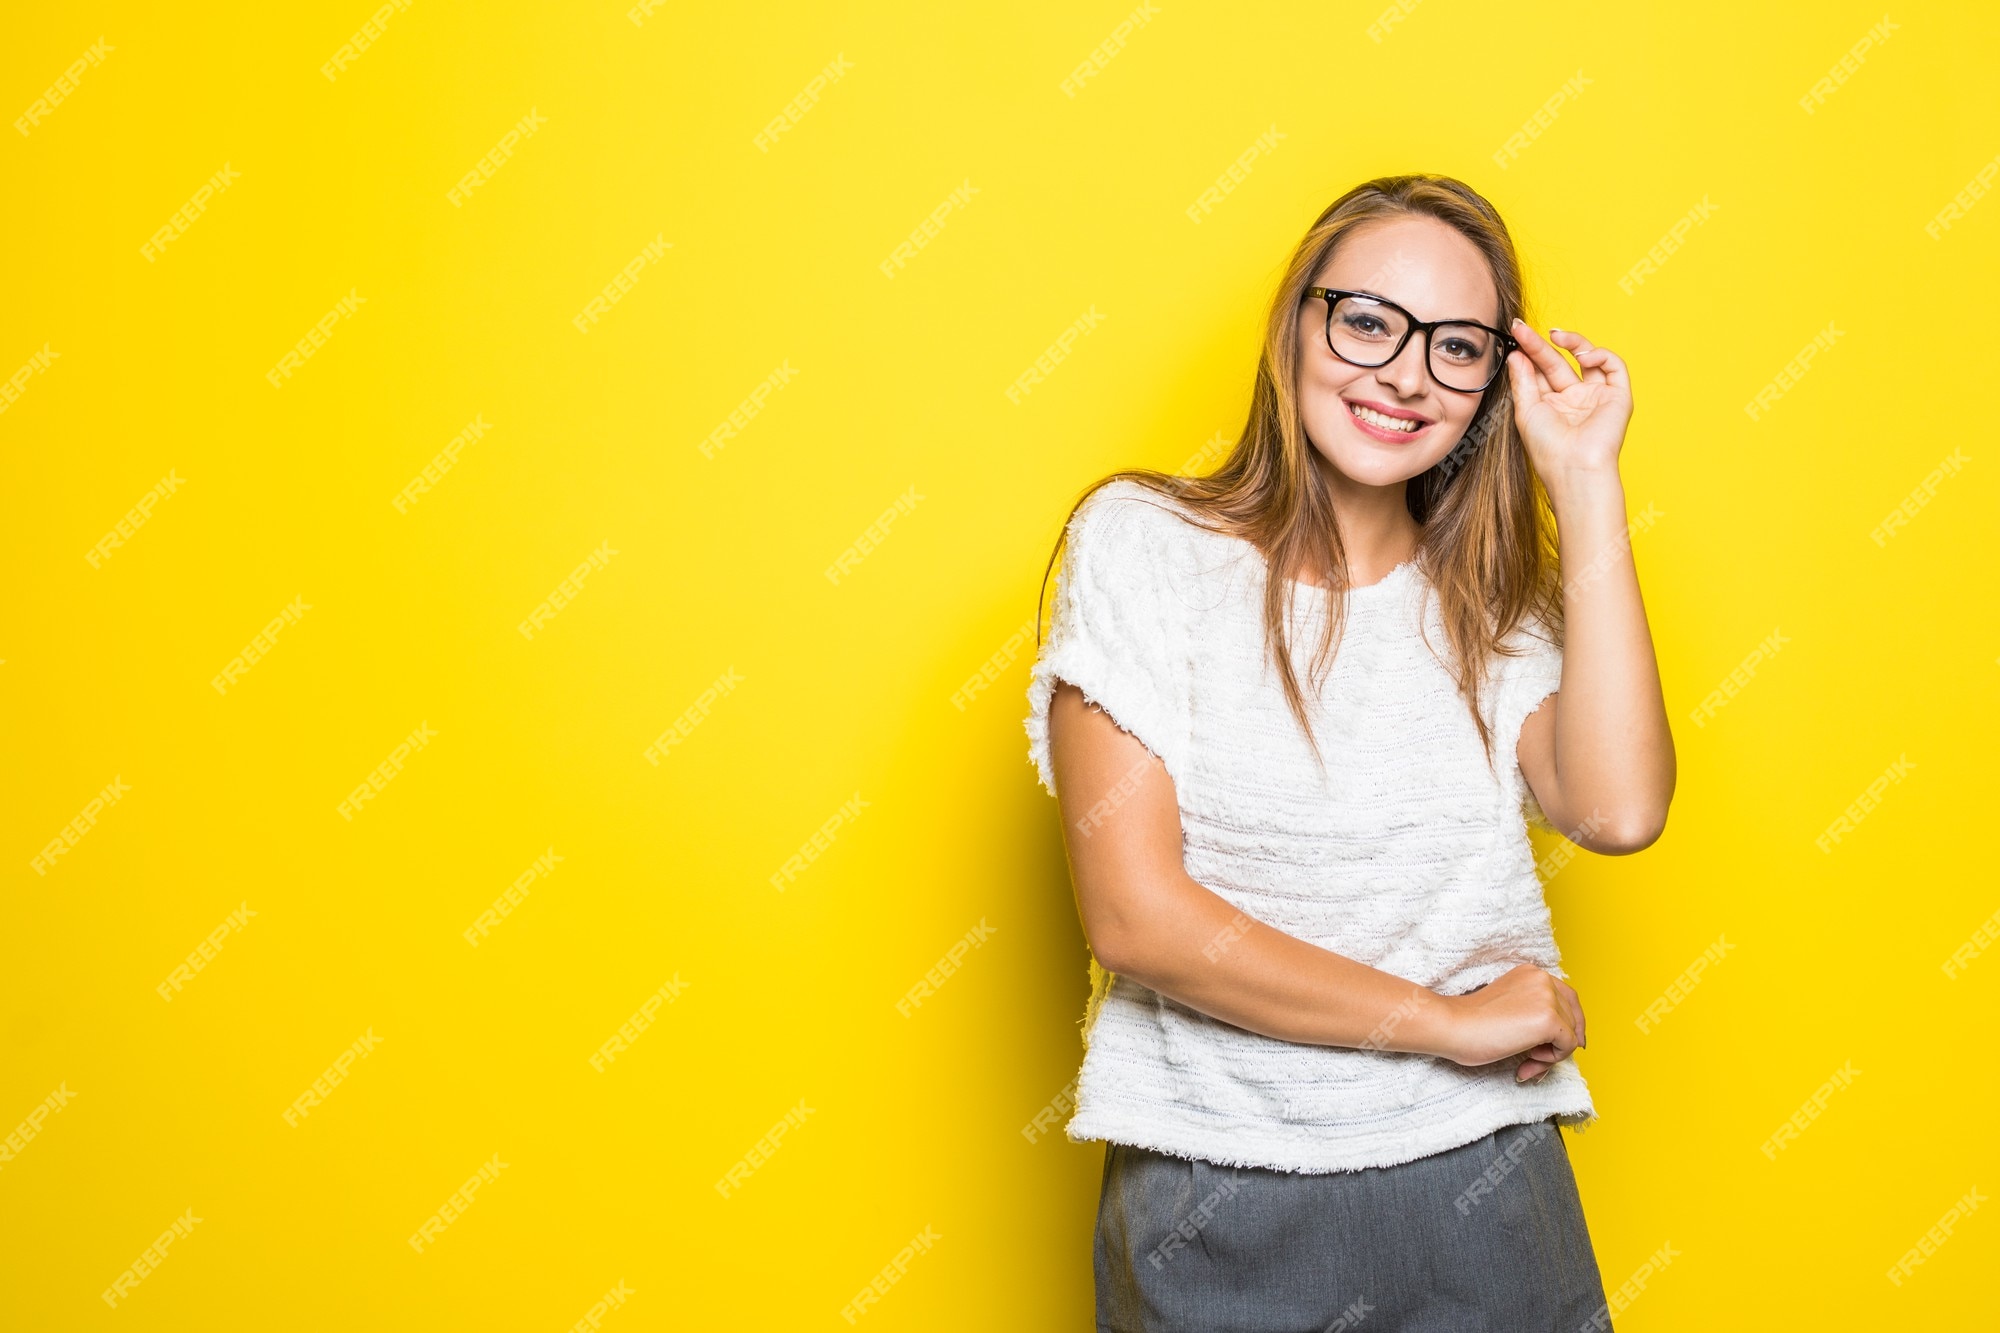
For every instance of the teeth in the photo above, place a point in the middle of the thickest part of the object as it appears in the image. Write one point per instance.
(1377, 419)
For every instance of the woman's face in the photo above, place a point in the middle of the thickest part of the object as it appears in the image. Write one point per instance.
(1433, 272)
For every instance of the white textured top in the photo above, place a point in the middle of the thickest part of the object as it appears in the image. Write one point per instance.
(1410, 855)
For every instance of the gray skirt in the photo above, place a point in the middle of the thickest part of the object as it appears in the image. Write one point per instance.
(1488, 1236)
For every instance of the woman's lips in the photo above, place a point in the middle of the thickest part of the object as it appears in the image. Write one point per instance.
(1384, 433)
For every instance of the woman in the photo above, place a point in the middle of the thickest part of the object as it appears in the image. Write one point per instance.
(1328, 1040)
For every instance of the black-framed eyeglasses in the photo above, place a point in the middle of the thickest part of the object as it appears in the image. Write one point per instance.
(1363, 329)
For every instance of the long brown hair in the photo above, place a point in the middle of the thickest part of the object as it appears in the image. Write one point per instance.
(1488, 538)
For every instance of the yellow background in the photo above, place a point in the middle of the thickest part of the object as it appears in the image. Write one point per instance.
(1892, 649)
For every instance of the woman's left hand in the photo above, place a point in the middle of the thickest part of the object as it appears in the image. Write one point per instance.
(1569, 423)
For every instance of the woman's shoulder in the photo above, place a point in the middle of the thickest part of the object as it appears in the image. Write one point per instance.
(1138, 519)
(1136, 543)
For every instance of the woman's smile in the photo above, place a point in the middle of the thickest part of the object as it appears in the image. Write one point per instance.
(1390, 427)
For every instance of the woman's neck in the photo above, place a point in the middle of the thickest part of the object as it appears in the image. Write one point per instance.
(1376, 530)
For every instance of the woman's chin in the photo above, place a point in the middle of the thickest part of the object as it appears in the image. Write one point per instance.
(1379, 465)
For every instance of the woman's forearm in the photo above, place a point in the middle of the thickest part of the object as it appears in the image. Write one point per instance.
(1210, 957)
(1614, 754)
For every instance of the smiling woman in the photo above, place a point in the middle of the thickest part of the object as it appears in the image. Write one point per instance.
(1327, 999)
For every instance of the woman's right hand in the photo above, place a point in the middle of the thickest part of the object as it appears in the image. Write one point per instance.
(1525, 1012)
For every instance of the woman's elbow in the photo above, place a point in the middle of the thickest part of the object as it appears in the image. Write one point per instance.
(1127, 921)
(1630, 831)
(1109, 953)
(1112, 940)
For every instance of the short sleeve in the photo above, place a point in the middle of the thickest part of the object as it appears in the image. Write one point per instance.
(1524, 682)
(1117, 632)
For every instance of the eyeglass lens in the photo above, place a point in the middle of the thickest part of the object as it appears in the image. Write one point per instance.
(1365, 332)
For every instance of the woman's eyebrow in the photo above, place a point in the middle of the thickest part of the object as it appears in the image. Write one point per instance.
(1455, 319)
